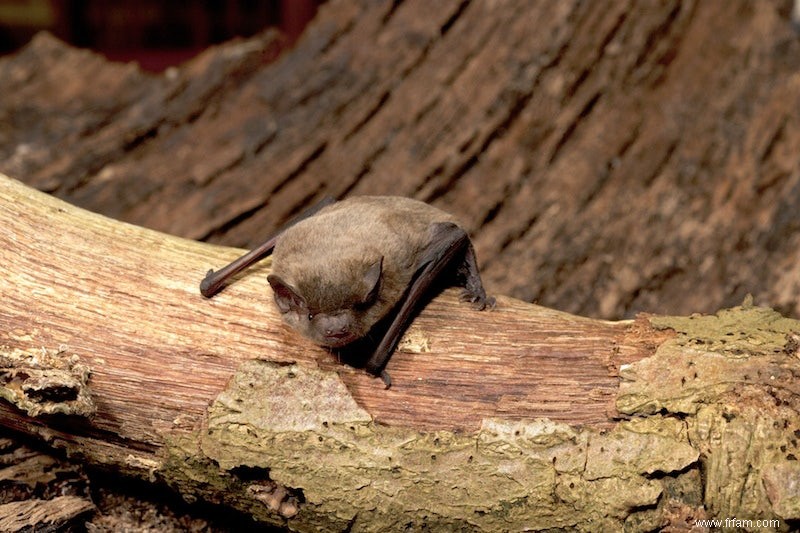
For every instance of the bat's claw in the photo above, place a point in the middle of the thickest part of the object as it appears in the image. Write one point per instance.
(479, 301)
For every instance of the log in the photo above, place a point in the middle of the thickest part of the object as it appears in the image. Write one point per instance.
(522, 417)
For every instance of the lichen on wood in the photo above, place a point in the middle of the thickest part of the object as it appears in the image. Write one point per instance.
(45, 381)
(732, 377)
(346, 471)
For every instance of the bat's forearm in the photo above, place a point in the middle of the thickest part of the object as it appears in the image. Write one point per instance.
(215, 280)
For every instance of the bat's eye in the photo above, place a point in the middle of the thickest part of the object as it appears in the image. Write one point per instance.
(310, 317)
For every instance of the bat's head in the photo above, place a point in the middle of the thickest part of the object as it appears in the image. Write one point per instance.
(331, 313)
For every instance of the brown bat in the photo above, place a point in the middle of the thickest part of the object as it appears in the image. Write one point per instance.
(361, 268)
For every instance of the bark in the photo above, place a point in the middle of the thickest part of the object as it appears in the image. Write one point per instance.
(519, 417)
(609, 157)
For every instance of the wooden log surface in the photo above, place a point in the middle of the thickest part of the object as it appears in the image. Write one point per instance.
(497, 420)
(609, 157)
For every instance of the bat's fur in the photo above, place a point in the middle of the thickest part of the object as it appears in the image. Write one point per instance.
(344, 267)
(326, 261)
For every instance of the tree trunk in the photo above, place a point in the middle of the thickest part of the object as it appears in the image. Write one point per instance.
(519, 417)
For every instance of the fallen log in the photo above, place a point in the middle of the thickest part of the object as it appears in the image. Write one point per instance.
(522, 417)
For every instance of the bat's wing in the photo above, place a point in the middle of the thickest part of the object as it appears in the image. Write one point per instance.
(449, 243)
(215, 280)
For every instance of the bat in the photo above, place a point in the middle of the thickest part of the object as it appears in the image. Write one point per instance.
(361, 268)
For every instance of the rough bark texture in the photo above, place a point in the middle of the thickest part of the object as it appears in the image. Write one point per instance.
(654, 422)
(609, 157)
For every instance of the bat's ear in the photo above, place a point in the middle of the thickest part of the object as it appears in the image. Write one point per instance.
(285, 296)
(372, 281)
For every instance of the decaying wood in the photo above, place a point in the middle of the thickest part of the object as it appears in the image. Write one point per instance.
(39, 492)
(608, 157)
(42, 515)
(520, 417)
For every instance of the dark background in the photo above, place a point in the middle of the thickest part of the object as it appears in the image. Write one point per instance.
(154, 33)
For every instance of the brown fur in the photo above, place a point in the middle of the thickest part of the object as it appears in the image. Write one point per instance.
(325, 259)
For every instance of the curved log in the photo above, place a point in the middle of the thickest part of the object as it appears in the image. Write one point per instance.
(521, 417)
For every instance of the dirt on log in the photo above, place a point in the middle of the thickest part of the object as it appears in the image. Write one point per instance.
(609, 157)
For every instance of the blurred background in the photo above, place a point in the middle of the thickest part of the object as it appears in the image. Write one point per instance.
(154, 33)
(608, 158)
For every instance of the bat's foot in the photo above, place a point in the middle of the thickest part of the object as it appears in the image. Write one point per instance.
(379, 373)
(473, 286)
(478, 300)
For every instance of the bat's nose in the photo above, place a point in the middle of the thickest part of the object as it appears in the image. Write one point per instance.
(337, 337)
(337, 333)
